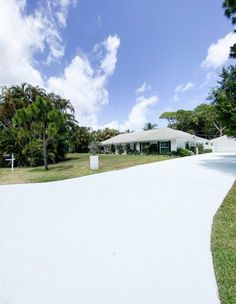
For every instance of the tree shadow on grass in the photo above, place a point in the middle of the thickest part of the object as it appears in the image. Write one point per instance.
(52, 168)
(223, 162)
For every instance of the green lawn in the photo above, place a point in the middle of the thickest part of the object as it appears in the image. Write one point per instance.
(224, 248)
(76, 165)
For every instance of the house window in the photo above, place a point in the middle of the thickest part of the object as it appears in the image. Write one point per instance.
(145, 147)
(164, 146)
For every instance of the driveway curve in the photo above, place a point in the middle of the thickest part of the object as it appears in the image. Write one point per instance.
(135, 236)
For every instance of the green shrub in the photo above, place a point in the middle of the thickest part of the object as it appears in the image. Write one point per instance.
(183, 152)
(134, 152)
(153, 149)
(207, 151)
(200, 148)
(113, 149)
(94, 147)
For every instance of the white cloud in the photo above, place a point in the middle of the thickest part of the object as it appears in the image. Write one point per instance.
(143, 88)
(84, 85)
(184, 87)
(181, 88)
(111, 45)
(218, 53)
(111, 125)
(20, 38)
(176, 97)
(138, 115)
(209, 77)
(23, 36)
(60, 9)
(53, 15)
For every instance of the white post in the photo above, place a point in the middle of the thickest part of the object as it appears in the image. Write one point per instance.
(12, 162)
(94, 162)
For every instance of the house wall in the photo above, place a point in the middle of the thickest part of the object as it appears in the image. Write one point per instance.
(227, 145)
(174, 145)
(180, 143)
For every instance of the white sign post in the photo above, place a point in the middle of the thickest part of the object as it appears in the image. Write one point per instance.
(12, 161)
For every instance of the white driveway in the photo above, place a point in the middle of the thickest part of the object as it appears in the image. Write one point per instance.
(136, 236)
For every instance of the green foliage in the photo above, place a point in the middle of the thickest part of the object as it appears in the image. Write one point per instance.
(94, 147)
(120, 149)
(149, 126)
(75, 165)
(153, 149)
(203, 121)
(207, 151)
(128, 149)
(200, 148)
(170, 117)
(230, 12)
(223, 98)
(101, 135)
(80, 137)
(34, 125)
(224, 248)
(183, 152)
(113, 149)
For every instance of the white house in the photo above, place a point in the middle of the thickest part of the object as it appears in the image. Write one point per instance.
(161, 140)
(223, 144)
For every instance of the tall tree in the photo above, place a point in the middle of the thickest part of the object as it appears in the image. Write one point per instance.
(80, 137)
(209, 124)
(170, 117)
(45, 122)
(203, 121)
(230, 12)
(19, 128)
(223, 97)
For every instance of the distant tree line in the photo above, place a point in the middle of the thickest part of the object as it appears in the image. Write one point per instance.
(40, 128)
(219, 116)
(214, 119)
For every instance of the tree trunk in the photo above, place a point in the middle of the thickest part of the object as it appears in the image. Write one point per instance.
(219, 128)
(45, 159)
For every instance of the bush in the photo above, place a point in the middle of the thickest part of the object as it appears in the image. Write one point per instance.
(200, 148)
(120, 149)
(153, 149)
(94, 147)
(183, 152)
(113, 149)
(134, 152)
(207, 151)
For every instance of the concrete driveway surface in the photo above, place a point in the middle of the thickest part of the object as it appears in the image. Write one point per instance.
(135, 236)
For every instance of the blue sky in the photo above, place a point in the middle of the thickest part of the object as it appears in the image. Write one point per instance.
(121, 63)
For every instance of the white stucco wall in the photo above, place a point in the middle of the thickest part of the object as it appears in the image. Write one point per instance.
(174, 145)
(224, 145)
(181, 143)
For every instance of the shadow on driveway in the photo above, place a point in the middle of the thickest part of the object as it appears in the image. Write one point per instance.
(223, 162)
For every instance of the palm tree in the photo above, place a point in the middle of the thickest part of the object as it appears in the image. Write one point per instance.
(149, 126)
